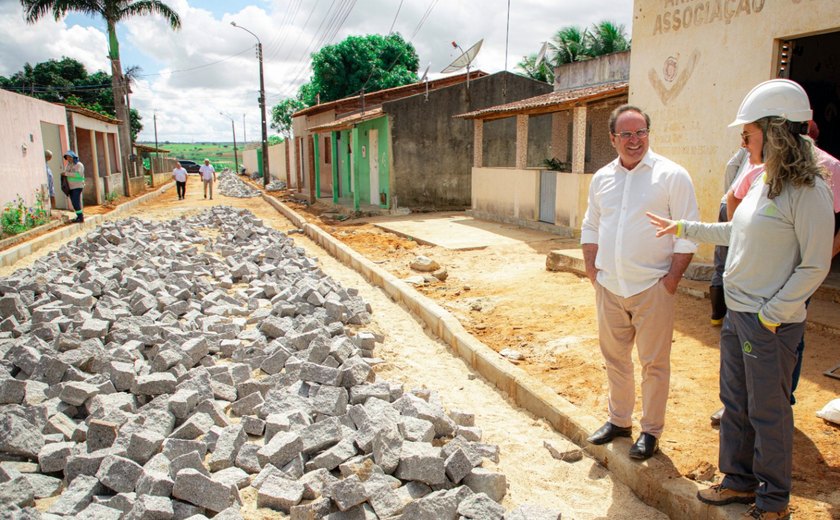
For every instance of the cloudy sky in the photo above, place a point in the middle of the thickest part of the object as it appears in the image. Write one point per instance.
(188, 77)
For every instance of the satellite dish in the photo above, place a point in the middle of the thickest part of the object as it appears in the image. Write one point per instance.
(425, 75)
(541, 55)
(465, 59)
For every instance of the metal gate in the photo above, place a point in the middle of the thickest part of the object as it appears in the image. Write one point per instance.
(548, 194)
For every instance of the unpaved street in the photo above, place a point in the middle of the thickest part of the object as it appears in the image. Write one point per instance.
(504, 296)
(580, 489)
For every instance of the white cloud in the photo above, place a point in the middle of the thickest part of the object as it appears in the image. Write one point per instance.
(47, 39)
(182, 83)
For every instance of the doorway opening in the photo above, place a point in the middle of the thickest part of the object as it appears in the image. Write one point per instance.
(814, 63)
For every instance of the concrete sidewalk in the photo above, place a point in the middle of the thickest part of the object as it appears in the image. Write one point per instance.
(458, 232)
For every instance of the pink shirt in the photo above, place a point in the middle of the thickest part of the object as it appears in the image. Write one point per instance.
(831, 164)
(742, 185)
(824, 159)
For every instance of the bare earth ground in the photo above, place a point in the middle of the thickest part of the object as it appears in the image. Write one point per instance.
(582, 490)
(505, 297)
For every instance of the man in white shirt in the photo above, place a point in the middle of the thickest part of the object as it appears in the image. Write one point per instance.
(180, 176)
(635, 274)
(208, 175)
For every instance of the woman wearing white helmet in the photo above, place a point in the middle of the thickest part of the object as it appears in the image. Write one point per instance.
(779, 253)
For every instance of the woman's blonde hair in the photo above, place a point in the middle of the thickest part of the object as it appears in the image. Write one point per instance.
(789, 157)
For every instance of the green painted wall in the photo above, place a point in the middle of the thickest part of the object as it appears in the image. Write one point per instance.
(363, 171)
(344, 191)
(341, 158)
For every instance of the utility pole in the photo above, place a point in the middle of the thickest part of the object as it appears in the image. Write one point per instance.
(157, 155)
(244, 135)
(235, 157)
(266, 173)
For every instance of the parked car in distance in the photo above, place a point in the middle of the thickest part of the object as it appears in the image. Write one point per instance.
(190, 166)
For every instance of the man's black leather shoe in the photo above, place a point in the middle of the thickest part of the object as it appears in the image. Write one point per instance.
(608, 432)
(644, 447)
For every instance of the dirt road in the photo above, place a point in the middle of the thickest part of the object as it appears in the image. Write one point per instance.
(582, 490)
(505, 297)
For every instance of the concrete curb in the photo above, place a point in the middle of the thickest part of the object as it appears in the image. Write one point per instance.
(9, 242)
(655, 481)
(13, 254)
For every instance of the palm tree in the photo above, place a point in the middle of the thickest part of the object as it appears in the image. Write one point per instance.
(112, 11)
(570, 44)
(607, 37)
(543, 72)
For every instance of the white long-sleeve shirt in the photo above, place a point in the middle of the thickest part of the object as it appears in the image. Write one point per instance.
(779, 249)
(630, 258)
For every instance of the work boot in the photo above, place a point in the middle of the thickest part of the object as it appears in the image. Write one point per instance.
(756, 513)
(718, 304)
(718, 495)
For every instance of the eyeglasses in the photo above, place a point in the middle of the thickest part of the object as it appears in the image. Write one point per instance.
(640, 134)
(745, 136)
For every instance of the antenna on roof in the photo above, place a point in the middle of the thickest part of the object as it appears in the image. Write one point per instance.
(464, 60)
(540, 55)
(425, 79)
(425, 75)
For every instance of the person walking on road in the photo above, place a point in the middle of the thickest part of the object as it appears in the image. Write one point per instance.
(635, 275)
(208, 176)
(74, 170)
(780, 241)
(180, 176)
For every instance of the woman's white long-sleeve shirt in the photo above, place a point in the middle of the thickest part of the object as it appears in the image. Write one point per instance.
(779, 249)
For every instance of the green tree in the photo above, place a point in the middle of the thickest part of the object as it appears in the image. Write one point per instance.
(281, 115)
(67, 81)
(112, 11)
(573, 43)
(542, 72)
(373, 62)
(570, 44)
(608, 37)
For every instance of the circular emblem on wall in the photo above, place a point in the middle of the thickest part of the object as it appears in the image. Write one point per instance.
(669, 69)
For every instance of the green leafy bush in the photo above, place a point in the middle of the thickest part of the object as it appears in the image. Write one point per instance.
(17, 218)
(557, 165)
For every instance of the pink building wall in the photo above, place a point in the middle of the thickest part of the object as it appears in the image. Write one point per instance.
(22, 145)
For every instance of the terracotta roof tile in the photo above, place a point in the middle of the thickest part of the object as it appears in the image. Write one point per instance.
(560, 99)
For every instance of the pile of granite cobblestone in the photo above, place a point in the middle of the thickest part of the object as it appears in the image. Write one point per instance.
(232, 186)
(158, 370)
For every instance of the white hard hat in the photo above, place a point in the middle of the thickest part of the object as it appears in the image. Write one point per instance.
(777, 97)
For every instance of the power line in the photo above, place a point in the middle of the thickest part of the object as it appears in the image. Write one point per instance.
(280, 38)
(243, 51)
(395, 18)
(334, 20)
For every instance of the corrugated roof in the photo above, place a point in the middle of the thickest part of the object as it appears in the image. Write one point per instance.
(349, 121)
(551, 102)
(380, 96)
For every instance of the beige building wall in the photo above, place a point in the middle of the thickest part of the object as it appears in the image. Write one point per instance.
(692, 63)
(506, 192)
(276, 161)
(249, 160)
(300, 126)
(571, 200)
(22, 170)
